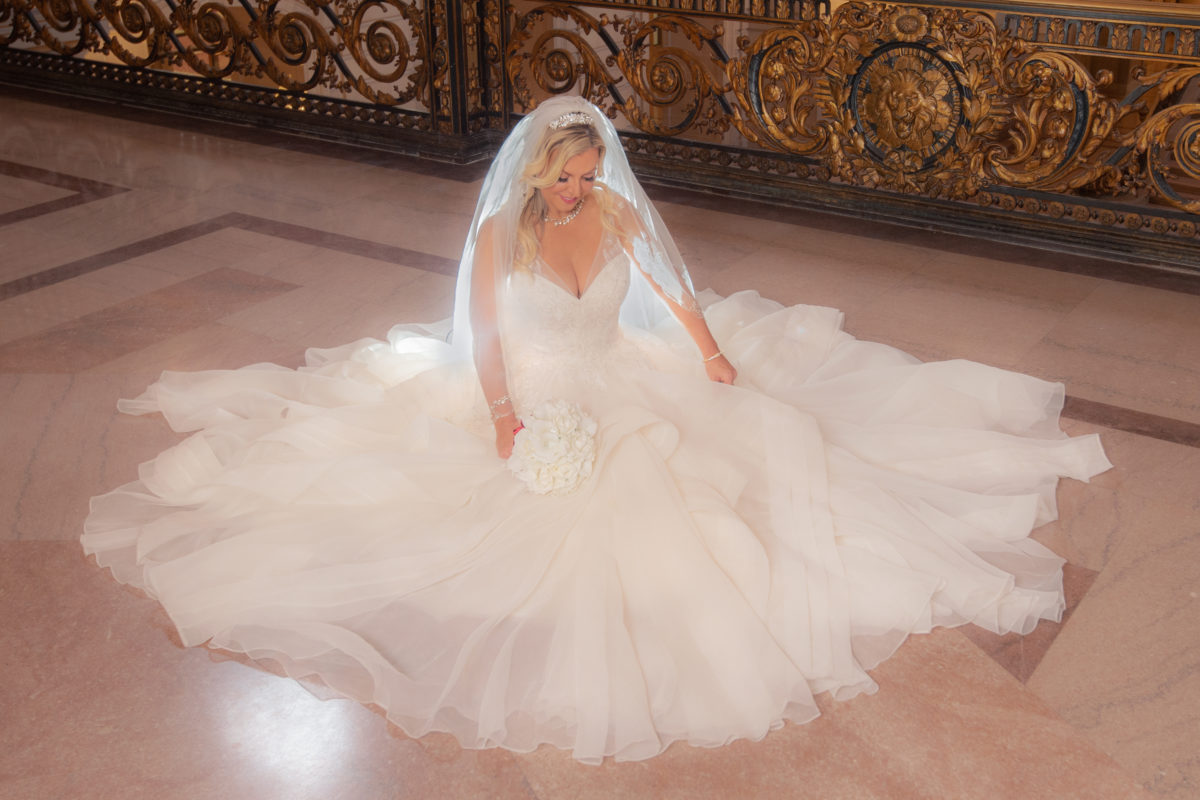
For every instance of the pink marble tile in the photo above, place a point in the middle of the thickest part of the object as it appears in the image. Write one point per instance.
(136, 323)
(947, 722)
(127, 280)
(212, 346)
(99, 703)
(709, 255)
(1020, 655)
(820, 759)
(1095, 518)
(424, 214)
(44, 308)
(791, 275)
(275, 257)
(692, 216)
(1125, 671)
(37, 244)
(229, 246)
(1149, 468)
(972, 731)
(682, 215)
(1038, 288)
(63, 443)
(350, 275)
(1089, 524)
(322, 318)
(59, 419)
(957, 315)
(1128, 346)
(16, 193)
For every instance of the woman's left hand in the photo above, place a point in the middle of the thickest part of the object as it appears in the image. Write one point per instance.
(720, 370)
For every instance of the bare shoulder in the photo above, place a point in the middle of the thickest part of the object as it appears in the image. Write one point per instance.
(487, 231)
(616, 201)
(619, 208)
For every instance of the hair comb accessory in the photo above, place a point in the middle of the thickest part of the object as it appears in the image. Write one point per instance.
(572, 118)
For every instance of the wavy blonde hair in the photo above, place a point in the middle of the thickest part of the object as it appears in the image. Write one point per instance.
(558, 146)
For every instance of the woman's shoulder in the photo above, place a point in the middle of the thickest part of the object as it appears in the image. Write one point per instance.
(620, 213)
(615, 200)
(487, 229)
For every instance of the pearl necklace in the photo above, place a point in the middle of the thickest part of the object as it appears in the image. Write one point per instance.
(564, 220)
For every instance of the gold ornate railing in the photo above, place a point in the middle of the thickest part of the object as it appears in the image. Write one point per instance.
(1063, 124)
(382, 71)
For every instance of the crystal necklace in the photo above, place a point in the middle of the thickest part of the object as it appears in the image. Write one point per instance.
(564, 220)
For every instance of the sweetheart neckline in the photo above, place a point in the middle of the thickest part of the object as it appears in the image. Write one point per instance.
(595, 277)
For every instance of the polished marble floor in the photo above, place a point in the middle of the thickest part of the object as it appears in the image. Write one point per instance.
(132, 242)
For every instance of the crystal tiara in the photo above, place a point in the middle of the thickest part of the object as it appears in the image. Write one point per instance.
(572, 118)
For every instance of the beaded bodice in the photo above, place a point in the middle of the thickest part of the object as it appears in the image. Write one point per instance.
(557, 345)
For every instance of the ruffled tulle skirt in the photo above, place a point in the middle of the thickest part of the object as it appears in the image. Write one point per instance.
(735, 551)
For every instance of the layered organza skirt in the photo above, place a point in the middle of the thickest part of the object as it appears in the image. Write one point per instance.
(736, 550)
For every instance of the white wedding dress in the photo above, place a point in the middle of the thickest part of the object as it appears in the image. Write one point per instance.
(737, 549)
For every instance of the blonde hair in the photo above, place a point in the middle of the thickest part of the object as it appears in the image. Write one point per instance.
(558, 146)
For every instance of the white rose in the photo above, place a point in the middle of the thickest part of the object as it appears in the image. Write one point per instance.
(556, 449)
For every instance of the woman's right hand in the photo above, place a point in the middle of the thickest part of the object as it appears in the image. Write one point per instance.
(506, 431)
(719, 370)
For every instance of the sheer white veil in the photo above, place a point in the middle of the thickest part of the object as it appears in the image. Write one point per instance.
(504, 194)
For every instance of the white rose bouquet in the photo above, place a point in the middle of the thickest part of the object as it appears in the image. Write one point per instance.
(553, 453)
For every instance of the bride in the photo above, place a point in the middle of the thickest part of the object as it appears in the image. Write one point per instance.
(605, 513)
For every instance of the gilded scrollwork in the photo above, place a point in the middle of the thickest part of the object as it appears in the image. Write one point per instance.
(679, 90)
(940, 102)
(441, 64)
(672, 89)
(67, 27)
(1059, 120)
(376, 49)
(473, 84)
(549, 46)
(1169, 141)
(386, 40)
(774, 85)
(12, 27)
(141, 30)
(886, 96)
(943, 103)
(1003, 108)
(302, 54)
(219, 39)
(492, 60)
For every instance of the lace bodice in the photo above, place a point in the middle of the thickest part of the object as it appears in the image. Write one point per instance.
(557, 345)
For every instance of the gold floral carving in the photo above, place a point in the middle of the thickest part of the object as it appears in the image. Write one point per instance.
(938, 102)
(672, 89)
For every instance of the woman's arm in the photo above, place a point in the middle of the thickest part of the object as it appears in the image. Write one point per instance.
(716, 365)
(489, 355)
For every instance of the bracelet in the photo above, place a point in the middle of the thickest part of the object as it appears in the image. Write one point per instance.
(495, 405)
(715, 355)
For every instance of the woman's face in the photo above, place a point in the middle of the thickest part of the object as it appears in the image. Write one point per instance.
(575, 183)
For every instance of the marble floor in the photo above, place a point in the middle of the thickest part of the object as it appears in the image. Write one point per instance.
(132, 242)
